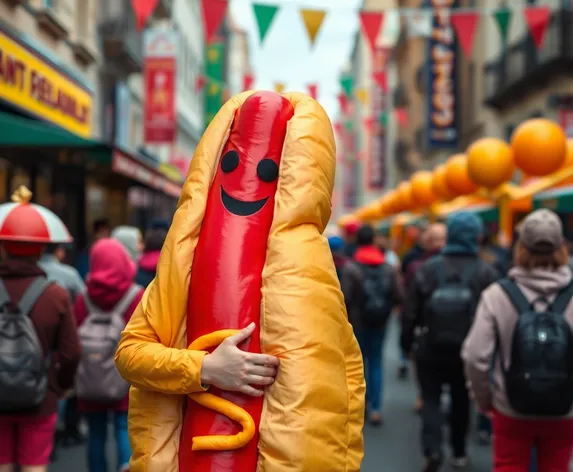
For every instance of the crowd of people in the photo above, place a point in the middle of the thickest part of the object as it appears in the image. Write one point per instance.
(77, 312)
(482, 323)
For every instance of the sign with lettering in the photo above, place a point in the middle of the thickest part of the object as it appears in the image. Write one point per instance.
(159, 77)
(442, 77)
(33, 85)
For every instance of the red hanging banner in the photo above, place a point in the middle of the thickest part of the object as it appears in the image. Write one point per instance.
(143, 10)
(159, 75)
(200, 82)
(381, 79)
(248, 81)
(537, 19)
(214, 12)
(371, 23)
(313, 90)
(465, 25)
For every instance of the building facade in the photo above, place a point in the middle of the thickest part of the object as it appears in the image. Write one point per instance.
(238, 58)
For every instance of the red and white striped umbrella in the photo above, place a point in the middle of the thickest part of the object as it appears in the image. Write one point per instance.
(22, 221)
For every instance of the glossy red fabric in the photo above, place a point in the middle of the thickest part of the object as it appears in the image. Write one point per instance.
(226, 277)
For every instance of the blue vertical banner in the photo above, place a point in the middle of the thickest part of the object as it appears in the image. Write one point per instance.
(443, 119)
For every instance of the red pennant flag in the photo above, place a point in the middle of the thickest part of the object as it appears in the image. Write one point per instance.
(213, 15)
(313, 90)
(248, 81)
(343, 101)
(537, 19)
(371, 23)
(143, 10)
(200, 82)
(465, 26)
(369, 124)
(381, 78)
(338, 129)
(402, 117)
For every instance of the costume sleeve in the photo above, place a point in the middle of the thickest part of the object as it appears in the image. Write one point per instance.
(149, 365)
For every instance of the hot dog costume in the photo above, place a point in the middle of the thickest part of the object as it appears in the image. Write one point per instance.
(246, 245)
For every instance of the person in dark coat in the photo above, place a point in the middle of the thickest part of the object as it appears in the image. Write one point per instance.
(154, 239)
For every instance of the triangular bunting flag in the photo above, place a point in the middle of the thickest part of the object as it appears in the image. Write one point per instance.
(264, 14)
(349, 125)
(312, 20)
(381, 79)
(402, 117)
(143, 10)
(384, 119)
(213, 89)
(503, 19)
(343, 101)
(347, 84)
(371, 23)
(248, 81)
(465, 24)
(214, 12)
(338, 129)
(362, 96)
(279, 87)
(537, 19)
(200, 82)
(369, 125)
(313, 90)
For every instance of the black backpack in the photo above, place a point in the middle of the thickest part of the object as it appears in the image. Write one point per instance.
(376, 305)
(539, 380)
(450, 310)
(23, 366)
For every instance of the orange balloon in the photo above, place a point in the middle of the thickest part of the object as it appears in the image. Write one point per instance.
(393, 203)
(539, 147)
(440, 185)
(569, 154)
(422, 192)
(490, 162)
(457, 175)
(404, 192)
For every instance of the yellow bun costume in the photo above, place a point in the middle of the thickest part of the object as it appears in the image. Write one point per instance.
(313, 414)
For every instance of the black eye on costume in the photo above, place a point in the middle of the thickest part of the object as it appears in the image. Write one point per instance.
(268, 170)
(230, 161)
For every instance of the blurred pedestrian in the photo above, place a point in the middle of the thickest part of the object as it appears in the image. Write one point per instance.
(371, 291)
(154, 239)
(111, 296)
(440, 306)
(39, 351)
(100, 229)
(527, 319)
(385, 245)
(131, 239)
(349, 235)
(67, 277)
(336, 244)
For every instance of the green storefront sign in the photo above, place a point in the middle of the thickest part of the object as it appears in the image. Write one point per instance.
(214, 87)
(560, 200)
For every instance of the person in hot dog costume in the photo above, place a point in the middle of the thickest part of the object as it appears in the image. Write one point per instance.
(245, 263)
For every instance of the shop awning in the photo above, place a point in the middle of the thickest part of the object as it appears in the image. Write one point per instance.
(559, 200)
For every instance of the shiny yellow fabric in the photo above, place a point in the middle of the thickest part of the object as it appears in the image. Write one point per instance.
(313, 415)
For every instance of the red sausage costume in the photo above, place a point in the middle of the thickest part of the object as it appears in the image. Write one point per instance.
(246, 246)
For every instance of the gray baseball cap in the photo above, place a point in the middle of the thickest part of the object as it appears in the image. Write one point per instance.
(541, 232)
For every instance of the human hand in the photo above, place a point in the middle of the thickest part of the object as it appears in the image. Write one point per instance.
(229, 368)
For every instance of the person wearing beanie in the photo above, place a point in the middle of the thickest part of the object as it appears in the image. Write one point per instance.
(438, 312)
(336, 244)
(523, 329)
(371, 290)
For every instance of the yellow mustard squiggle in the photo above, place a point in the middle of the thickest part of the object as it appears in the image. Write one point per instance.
(220, 405)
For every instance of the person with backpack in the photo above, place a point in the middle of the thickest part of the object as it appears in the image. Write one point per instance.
(102, 312)
(371, 291)
(439, 308)
(524, 326)
(39, 348)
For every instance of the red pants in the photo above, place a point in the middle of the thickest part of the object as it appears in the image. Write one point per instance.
(514, 439)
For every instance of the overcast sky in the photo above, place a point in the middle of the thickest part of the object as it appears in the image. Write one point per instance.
(286, 55)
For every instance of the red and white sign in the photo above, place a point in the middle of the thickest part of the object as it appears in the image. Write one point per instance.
(125, 165)
(159, 83)
(181, 160)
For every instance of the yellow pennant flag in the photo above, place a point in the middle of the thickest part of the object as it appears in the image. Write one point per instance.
(279, 87)
(362, 96)
(213, 89)
(312, 21)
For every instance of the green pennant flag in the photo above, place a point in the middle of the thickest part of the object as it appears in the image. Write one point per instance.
(265, 14)
(503, 19)
(349, 125)
(384, 119)
(347, 84)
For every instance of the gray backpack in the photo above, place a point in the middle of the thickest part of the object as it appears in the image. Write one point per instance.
(23, 365)
(98, 379)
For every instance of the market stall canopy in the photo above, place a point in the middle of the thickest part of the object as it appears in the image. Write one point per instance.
(482, 207)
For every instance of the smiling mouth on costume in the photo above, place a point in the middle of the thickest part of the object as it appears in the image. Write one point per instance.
(240, 208)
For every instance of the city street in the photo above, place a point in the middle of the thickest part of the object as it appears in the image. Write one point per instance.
(391, 448)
